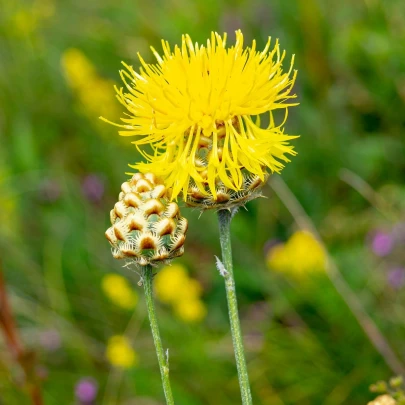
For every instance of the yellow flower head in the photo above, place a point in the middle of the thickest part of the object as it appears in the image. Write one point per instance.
(92, 90)
(302, 254)
(193, 310)
(119, 291)
(195, 107)
(173, 284)
(78, 69)
(120, 353)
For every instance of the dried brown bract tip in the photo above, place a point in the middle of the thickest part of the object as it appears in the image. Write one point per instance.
(200, 195)
(226, 197)
(146, 226)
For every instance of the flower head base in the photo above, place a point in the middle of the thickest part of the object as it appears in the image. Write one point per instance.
(225, 197)
(146, 226)
(196, 109)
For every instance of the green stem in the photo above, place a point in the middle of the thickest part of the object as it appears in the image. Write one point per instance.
(147, 275)
(224, 217)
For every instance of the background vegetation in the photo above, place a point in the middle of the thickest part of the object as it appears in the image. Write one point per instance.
(311, 332)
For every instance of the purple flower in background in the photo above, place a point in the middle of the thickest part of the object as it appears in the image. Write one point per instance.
(50, 340)
(396, 277)
(86, 390)
(382, 243)
(93, 187)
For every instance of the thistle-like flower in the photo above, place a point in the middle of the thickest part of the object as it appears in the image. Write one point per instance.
(200, 108)
(146, 226)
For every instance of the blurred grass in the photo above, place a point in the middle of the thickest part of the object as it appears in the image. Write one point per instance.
(304, 345)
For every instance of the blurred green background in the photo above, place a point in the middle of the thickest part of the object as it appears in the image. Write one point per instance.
(310, 331)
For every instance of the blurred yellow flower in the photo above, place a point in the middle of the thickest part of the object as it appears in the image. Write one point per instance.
(172, 283)
(78, 69)
(173, 286)
(25, 22)
(92, 90)
(44, 8)
(301, 254)
(192, 310)
(119, 291)
(27, 18)
(120, 353)
(196, 108)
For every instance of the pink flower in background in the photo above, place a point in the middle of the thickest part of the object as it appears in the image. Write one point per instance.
(382, 243)
(86, 390)
(396, 277)
(93, 187)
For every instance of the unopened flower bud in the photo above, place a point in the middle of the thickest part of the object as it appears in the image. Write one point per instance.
(146, 226)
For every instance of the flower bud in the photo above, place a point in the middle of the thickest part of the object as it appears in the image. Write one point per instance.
(146, 226)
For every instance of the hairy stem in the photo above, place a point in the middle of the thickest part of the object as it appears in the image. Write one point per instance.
(147, 275)
(224, 217)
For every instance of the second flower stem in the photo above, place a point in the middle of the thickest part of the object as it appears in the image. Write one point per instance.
(147, 275)
(224, 217)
